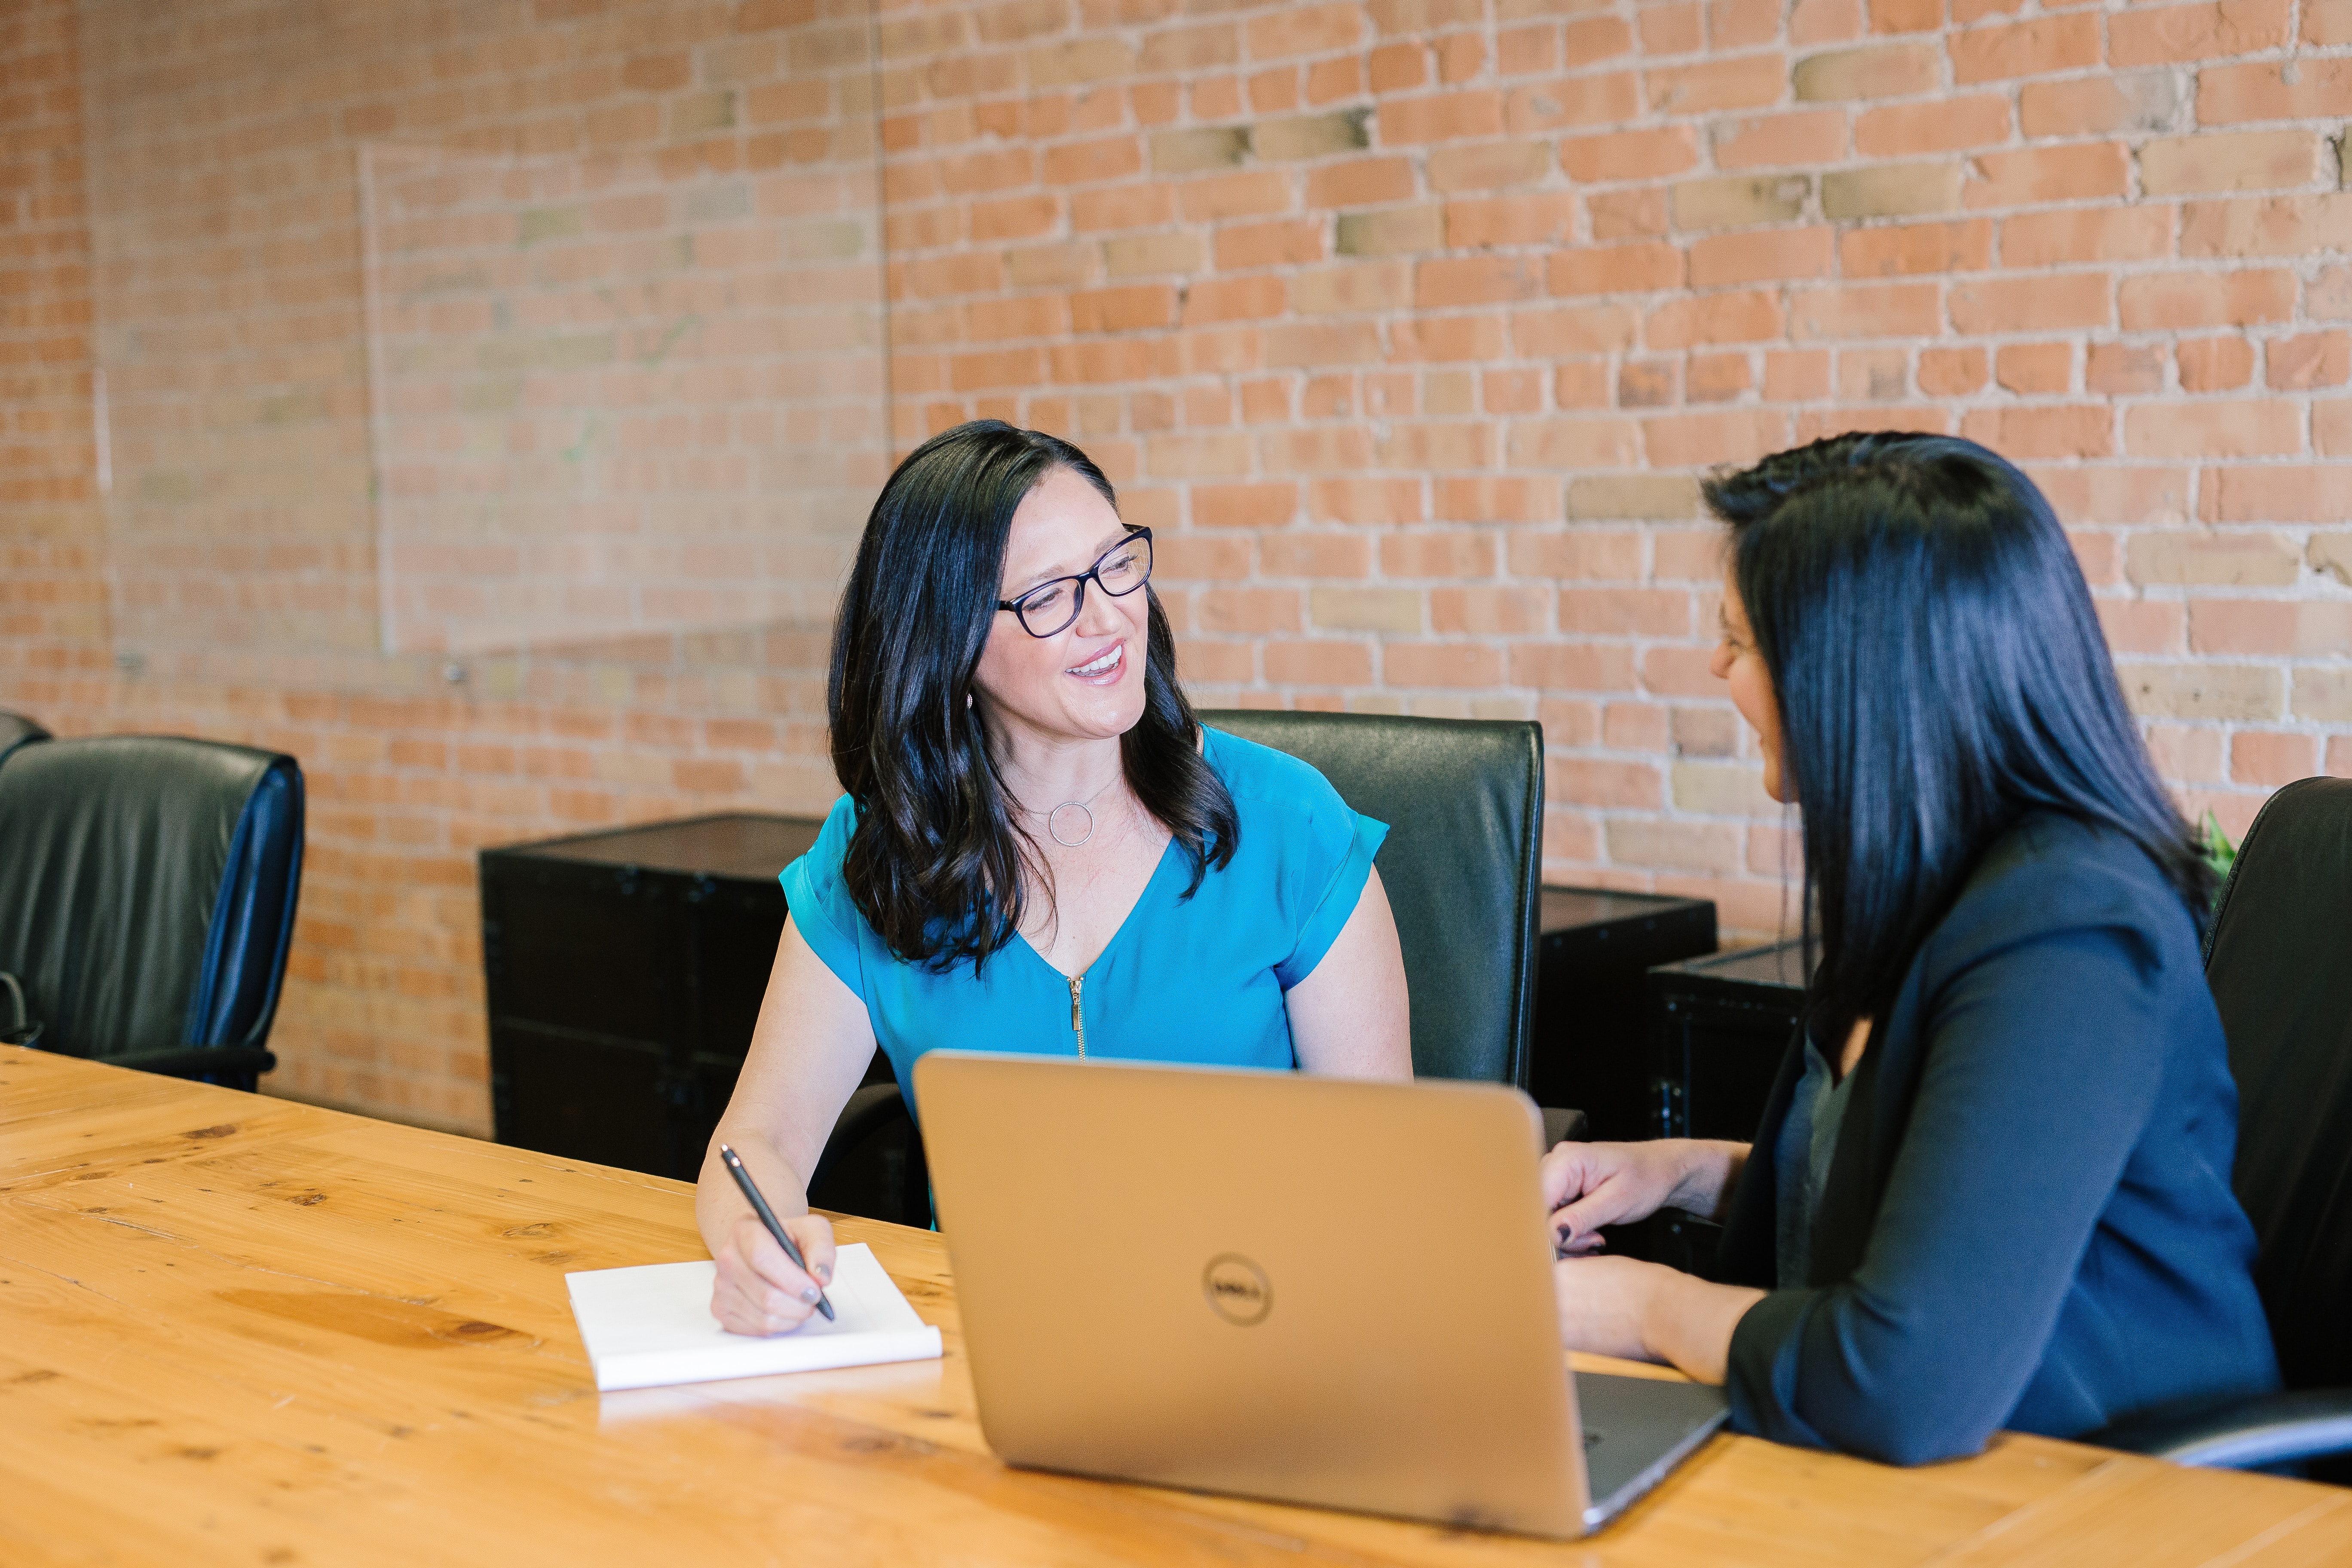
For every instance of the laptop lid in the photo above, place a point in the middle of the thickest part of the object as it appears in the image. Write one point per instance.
(1271, 1284)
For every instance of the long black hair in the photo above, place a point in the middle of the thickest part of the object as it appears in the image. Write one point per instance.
(936, 863)
(1940, 672)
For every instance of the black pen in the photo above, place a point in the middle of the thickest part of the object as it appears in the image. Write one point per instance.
(768, 1217)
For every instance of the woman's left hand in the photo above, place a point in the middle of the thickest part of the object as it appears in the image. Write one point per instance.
(1605, 1304)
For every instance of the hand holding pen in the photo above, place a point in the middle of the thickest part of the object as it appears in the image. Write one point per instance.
(771, 1271)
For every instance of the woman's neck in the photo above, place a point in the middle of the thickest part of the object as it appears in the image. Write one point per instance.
(1043, 772)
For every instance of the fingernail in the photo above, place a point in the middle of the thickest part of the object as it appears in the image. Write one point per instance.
(809, 1295)
(824, 1272)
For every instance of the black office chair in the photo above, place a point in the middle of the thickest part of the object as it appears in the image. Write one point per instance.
(1463, 866)
(15, 730)
(2279, 958)
(147, 892)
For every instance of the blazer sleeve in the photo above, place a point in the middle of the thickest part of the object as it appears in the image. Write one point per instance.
(2043, 1063)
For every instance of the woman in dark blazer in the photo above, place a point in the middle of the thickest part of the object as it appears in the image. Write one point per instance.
(1992, 1187)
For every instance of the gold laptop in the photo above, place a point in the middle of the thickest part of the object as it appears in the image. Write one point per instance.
(1306, 1288)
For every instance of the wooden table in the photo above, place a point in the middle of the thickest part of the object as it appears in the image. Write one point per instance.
(241, 1329)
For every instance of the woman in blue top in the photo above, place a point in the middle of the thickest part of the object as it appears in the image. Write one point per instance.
(1039, 849)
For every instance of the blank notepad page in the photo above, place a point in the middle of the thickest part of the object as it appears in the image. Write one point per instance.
(650, 1326)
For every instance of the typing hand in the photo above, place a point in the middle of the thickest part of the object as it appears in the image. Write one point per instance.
(1592, 1184)
(759, 1291)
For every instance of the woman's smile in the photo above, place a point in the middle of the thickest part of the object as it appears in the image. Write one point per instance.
(1105, 669)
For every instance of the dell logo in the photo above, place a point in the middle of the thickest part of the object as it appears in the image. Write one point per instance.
(1237, 1289)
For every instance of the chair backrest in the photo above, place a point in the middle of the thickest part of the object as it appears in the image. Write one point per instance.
(2279, 958)
(15, 730)
(147, 889)
(1463, 866)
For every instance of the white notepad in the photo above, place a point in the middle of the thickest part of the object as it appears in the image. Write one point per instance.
(651, 1326)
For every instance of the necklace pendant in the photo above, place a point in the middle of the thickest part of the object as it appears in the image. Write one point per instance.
(1054, 824)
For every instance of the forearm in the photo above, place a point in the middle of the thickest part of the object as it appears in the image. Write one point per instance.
(719, 1204)
(1687, 1321)
(1711, 1173)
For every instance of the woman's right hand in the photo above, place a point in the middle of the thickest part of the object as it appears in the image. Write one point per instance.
(1588, 1186)
(759, 1291)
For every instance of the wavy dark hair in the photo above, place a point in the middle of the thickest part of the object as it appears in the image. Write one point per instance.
(936, 863)
(1940, 672)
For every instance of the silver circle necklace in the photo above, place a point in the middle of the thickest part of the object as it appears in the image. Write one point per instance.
(1083, 808)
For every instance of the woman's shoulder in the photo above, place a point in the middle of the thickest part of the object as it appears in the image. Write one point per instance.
(816, 873)
(1271, 786)
(2050, 873)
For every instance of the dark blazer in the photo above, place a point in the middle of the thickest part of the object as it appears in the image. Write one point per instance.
(2028, 1221)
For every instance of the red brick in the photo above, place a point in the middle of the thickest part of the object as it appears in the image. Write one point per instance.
(2034, 369)
(1720, 260)
(1629, 154)
(2123, 370)
(1911, 250)
(2085, 234)
(1409, 664)
(1360, 182)
(1444, 283)
(2032, 304)
(2320, 88)
(1674, 28)
(2312, 359)
(2170, 301)
(1616, 269)
(1866, 311)
(2177, 35)
(2271, 758)
(1305, 30)
(2258, 428)
(1798, 140)
(2066, 173)
(1547, 217)
(1742, 81)
(1444, 117)
(1936, 125)
(2043, 47)
(2267, 226)
(2232, 160)
(2043, 431)
(1695, 321)
(2214, 364)
(1951, 373)
(1606, 100)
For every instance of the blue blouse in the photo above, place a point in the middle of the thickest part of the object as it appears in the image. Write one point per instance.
(1199, 980)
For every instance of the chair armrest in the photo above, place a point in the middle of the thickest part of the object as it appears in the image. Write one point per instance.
(2238, 1434)
(200, 1061)
(1564, 1126)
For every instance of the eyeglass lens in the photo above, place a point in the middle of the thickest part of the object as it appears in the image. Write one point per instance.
(1056, 604)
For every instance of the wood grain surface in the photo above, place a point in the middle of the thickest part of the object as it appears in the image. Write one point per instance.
(239, 1330)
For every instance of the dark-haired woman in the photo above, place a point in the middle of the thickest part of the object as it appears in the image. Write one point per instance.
(1992, 1187)
(1039, 849)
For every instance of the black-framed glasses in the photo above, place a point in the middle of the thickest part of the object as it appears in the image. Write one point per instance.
(1052, 606)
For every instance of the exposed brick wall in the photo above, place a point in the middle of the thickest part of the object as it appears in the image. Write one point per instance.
(52, 586)
(1410, 323)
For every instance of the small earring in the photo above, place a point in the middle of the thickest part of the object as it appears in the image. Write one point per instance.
(967, 698)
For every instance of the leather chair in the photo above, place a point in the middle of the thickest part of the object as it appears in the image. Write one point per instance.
(147, 893)
(15, 730)
(1462, 868)
(2279, 958)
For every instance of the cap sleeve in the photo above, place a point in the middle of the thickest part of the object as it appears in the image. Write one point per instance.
(1346, 841)
(822, 909)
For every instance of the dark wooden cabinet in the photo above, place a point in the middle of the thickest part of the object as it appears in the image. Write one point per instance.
(624, 971)
(1720, 1028)
(1592, 1048)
